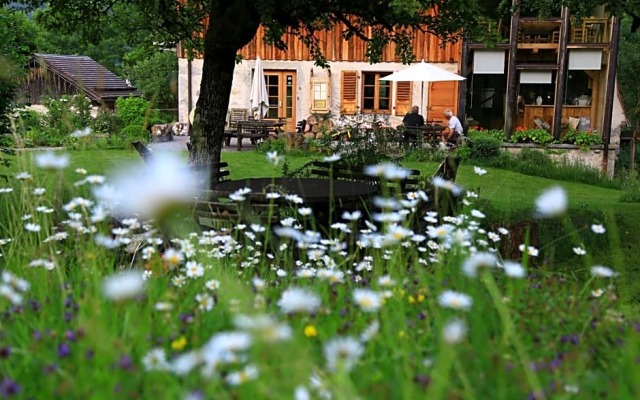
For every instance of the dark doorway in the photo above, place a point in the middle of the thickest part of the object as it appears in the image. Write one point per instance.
(485, 99)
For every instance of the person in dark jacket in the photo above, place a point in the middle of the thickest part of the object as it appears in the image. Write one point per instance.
(413, 118)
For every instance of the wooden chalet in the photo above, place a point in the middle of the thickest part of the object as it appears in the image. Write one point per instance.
(555, 73)
(56, 75)
(351, 85)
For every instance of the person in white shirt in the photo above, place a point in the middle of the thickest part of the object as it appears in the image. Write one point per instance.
(454, 128)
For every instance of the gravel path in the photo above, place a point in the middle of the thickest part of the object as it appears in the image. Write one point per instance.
(179, 143)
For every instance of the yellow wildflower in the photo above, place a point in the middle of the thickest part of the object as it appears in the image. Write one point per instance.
(310, 331)
(179, 343)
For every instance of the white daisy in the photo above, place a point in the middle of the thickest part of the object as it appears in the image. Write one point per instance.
(479, 171)
(155, 360)
(51, 160)
(552, 202)
(598, 229)
(514, 269)
(603, 272)
(294, 300)
(479, 260)
(367, 300)
(455, 300)
(454, 331)
(123, 285)
(579, 251)
(342, 352)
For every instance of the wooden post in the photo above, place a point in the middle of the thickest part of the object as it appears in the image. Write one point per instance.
(632, 154)
(561, 77)
(510, 106)
(462, 88)
(610, 91)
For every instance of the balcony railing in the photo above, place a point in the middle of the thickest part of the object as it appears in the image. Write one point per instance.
(590, 30)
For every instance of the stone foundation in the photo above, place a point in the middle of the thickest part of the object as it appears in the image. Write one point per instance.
(591, 157)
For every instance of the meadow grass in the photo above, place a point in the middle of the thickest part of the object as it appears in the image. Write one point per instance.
(242, 313)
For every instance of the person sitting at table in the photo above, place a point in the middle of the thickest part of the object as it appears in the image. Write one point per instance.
(453, 131)
(413, 118)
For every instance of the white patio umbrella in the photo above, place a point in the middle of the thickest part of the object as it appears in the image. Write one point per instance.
(423, 72)
(259, 98)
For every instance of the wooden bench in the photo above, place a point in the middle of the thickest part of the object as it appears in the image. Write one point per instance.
(416, 136)
(254, 130)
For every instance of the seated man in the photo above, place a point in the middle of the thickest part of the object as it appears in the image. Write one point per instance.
(413, 118)
(453, 131)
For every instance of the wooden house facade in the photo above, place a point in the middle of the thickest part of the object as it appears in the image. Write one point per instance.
(56, 75)
(350, 86)
(556, 74)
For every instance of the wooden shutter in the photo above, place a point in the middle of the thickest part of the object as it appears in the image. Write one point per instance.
(349, 90)
(403, 97)
(442, 95)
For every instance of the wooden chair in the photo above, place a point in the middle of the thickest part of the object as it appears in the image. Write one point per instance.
(144, 151)
(236, 115)
(212, 210)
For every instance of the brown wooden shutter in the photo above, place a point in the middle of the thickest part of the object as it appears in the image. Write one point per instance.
(348, 94)
(442, 95)
(403, 97)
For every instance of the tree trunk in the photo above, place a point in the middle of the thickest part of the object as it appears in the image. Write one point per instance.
(231, 25)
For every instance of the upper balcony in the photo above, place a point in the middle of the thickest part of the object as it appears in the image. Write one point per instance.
(536, 34)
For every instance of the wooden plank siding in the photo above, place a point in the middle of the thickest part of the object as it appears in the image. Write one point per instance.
(335, 48)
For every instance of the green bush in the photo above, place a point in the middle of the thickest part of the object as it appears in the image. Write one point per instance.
(484, 147)
(497, 134)
(538, 136)
(136, 111)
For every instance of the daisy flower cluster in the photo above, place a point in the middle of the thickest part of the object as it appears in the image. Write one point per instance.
(373, 304)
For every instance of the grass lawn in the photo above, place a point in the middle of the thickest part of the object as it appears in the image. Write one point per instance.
(508, 197)
(88, 309)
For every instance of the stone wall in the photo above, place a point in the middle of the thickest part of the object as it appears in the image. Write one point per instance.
(592, 157)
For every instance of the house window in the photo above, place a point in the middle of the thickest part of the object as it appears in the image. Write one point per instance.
(320, 94)
(376, 94)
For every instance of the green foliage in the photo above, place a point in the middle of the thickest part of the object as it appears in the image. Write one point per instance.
(136, 111)
(17, 43)
(628, 67)
(482, 148)
(497, 134)
(630, 187)
(537, 136)
(155, 73)
(585, 138)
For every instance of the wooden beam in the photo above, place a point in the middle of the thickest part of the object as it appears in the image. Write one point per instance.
(511, 106)
(561, 76)
(610, 91)
(462, 88)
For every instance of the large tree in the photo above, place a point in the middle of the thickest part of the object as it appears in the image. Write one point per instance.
(228, 25)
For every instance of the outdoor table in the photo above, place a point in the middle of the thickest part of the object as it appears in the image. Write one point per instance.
(256, 129)
(319, 194)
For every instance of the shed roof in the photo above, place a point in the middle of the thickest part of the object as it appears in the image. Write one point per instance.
(96, 81)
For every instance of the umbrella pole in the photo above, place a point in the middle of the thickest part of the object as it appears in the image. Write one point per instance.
(426, 112)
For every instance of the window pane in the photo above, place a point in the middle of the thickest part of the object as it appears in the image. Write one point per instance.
(369, 79)
(368, 104)
(384, 104)
(369, 91)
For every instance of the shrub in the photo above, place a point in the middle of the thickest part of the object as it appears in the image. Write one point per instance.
(136, 111)
(538, 136)
(497, 134)
(484, 147)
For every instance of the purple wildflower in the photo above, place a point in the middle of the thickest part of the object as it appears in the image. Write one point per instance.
(64, 350)
(9, 387)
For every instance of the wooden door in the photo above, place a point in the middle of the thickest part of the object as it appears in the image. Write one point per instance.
(442, 96)
(281, 87)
